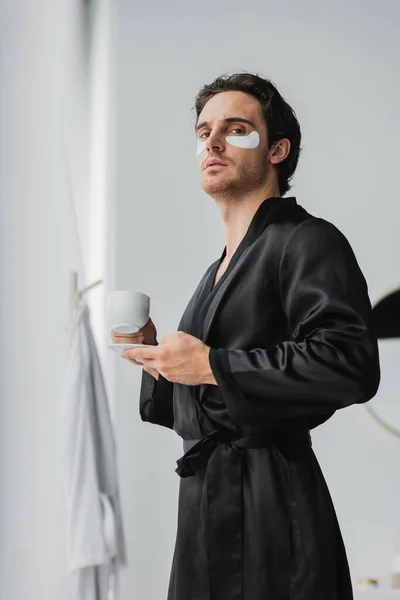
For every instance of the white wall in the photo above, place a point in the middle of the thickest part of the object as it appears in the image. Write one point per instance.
(338, 65)
(43, 83)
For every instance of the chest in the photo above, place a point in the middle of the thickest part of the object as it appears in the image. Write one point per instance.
(220, 271)
(244, 307)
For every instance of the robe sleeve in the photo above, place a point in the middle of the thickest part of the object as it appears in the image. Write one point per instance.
(156, 402)
(330, 359)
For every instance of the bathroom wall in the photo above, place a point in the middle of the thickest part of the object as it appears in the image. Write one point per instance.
(44, 140)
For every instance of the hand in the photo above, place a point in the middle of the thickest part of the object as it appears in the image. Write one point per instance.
(179, 357)
(146, 335)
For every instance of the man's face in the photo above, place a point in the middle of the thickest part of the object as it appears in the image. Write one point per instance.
(245, 168)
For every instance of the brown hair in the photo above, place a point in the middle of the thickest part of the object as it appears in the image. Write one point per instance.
(280, 118)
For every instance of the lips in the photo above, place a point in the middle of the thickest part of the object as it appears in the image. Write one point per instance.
(214, 163)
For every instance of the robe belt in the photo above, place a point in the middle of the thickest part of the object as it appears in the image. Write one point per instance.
(220, 453)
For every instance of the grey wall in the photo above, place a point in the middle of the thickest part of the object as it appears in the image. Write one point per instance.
(338, 65)
(43, 87)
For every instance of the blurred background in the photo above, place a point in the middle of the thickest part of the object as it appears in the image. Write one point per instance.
(98, 175)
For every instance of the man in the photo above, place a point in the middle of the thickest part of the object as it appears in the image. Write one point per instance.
(276, 338)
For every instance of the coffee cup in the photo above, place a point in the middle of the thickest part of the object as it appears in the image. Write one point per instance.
(127, 311)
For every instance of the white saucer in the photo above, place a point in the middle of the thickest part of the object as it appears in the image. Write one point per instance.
(121, 347)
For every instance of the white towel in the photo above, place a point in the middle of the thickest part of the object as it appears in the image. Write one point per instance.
(95, 541)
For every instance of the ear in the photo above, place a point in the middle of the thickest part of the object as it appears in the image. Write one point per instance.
(279, 151)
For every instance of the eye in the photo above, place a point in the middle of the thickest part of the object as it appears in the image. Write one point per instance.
(238, 129)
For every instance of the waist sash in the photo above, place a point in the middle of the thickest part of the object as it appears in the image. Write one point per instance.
(221, 455)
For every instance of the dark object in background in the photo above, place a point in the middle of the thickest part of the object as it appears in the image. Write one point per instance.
(386, 315)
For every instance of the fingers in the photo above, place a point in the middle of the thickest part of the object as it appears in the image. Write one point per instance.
(139, 363)
(137, 356)
(152, 372)
(135, 362)
(127, 338)
(148, 369)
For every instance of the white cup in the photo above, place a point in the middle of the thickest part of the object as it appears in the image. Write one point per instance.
(127, 311)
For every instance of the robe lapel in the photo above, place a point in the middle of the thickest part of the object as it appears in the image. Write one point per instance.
(266, 213)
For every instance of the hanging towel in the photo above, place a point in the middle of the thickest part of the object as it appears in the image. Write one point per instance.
(95, 540)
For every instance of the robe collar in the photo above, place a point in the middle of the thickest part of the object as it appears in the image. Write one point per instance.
(261, 218)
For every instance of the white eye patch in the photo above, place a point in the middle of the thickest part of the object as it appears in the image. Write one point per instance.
(201, 144)
(243, 141)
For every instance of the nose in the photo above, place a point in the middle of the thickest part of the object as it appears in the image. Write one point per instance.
(215, 141)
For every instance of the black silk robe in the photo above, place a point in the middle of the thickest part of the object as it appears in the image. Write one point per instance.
(290, 330)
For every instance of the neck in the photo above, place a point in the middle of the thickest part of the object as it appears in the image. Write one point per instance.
(237, 214)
